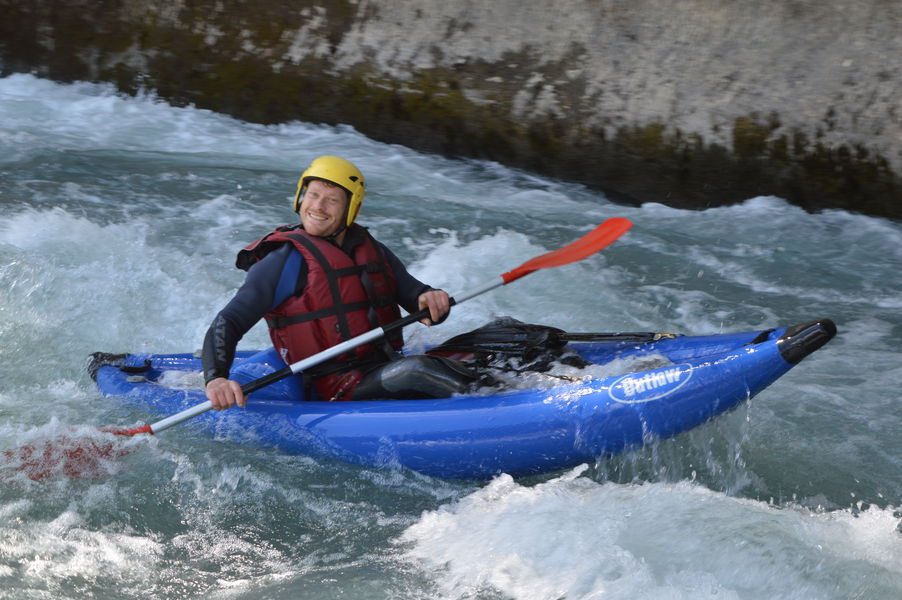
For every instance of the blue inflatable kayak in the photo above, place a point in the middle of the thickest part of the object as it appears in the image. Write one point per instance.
(518, 432)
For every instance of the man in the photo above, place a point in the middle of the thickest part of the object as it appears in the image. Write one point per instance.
(324, 281)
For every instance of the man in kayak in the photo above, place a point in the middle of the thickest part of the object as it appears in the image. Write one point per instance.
(324, 281)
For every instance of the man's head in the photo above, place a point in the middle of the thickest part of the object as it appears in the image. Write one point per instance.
(324, 208)
(326, 180)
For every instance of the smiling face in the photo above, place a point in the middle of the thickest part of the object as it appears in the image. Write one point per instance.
(323, 208)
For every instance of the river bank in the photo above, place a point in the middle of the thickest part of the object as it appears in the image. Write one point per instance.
(692, 104)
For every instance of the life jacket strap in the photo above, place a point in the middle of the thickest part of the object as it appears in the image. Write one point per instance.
(283, 322)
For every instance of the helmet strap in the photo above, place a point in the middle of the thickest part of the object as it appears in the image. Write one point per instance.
(344, 223)
(332, 236)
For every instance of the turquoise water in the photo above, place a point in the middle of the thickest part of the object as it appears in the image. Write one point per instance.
(120, 221)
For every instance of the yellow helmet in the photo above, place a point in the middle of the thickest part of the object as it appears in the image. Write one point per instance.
(339, 171)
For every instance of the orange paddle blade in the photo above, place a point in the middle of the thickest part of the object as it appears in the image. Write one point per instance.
(599, 238)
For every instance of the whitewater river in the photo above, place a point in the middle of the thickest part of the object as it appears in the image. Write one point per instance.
(119, 221)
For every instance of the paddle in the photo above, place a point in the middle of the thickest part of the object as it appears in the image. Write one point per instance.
(594, 241)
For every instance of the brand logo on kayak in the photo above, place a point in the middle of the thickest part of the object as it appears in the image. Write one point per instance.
(652, 385)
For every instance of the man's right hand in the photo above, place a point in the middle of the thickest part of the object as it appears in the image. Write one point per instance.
(224, 393)
(438, 302)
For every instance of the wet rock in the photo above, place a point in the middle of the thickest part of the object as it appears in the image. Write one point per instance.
(692, 104)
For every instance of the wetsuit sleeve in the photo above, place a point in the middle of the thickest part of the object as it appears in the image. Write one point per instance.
(409, 287)
(263, 289)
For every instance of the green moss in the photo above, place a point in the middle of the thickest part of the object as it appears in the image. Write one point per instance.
(779, 149)
(649, 140)
(749, 137)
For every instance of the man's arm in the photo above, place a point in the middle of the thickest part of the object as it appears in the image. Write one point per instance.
(258, 294)
(414, 295)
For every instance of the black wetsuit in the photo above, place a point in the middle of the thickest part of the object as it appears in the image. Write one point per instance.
(270, 282)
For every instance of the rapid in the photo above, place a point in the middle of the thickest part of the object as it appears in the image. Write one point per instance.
(121, 217)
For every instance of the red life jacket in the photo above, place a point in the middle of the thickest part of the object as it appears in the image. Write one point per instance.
(343, 297)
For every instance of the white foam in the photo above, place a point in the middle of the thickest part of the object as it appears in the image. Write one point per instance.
(182, 380)
(574, 538)
(50, 555)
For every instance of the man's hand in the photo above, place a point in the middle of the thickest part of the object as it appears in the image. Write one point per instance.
(438, 303)
(224, 393)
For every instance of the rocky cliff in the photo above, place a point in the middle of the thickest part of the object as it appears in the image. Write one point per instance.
(692, 103)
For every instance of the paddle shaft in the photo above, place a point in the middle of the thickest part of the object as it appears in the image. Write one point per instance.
(304, 364)
(594, 241)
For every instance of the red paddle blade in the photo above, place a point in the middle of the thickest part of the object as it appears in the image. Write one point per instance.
(64, 456)
(72, 455)
(599, 238)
